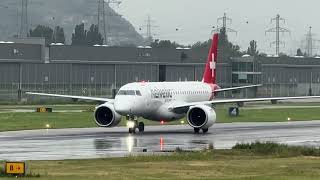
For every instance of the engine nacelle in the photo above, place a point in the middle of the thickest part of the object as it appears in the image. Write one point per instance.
(106, 116)
(201, 117)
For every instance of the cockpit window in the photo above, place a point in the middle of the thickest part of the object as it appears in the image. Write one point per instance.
(129, 93)
(138, 93)
(121, 92)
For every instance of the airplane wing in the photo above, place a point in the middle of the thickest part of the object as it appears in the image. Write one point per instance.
(73, 97)
(224, 101)
(236, 88)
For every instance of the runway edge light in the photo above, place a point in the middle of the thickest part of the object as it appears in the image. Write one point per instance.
(15, 168)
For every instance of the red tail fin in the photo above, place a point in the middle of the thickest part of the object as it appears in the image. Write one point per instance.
(210, 72)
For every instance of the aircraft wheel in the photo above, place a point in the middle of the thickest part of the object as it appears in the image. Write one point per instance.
(141, 127)
(196, 130)
(132, 130)
(205, 131)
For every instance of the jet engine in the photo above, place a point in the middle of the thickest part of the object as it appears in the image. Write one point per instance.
(106, 116)
(201, 116)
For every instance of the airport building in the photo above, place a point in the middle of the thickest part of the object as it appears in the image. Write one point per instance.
(99, 71)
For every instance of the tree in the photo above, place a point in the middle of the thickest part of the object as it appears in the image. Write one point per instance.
(202, 45)
(42, 31)
(226, 48)
(165, 44)
(263, 55)
(82, 37)
(299, 52)
(283, 55)
(79, 36)
(252, 50)
(94, 36)
(59, 36)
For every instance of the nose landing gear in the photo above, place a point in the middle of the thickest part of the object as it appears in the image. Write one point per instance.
(133, 124)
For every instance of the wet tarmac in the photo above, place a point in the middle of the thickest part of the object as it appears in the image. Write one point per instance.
(116, 142)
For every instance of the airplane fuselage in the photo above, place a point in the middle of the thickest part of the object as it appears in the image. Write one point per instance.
(152, 100)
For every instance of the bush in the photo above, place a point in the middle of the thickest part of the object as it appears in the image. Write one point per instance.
(270, 148)
(1, 172)
(211, 147)
(178, 150)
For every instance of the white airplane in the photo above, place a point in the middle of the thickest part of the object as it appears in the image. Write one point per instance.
(167, 101)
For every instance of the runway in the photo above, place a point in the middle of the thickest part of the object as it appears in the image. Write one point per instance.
(116, 142)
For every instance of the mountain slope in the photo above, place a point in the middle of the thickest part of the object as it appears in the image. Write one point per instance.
(66, 14)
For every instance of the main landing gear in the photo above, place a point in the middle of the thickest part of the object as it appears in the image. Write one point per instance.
(133, 125)
(197, 130)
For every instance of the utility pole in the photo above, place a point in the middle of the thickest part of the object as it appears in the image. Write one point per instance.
(102, 14)
(102, 19)
(277, 30)
(149, 35)
(310, 42)
(24, 19)
(224, 21)
(149, 29)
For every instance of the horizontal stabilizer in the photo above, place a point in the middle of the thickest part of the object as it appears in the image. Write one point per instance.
(236, 88)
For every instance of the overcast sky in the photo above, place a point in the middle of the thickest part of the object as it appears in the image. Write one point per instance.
(195, 19)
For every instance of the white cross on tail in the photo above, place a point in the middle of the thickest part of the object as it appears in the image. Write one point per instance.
(213, 65)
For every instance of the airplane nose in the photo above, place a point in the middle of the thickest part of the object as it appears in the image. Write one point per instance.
(122, 107)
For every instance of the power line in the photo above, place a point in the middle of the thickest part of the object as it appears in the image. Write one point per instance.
(277, 30)
(224, 21)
